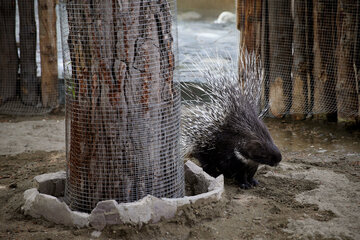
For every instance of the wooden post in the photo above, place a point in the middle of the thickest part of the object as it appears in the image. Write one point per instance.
(346, 95)
(300, 88)
(265, 53)
(310, 53)
(29, 83)
(324, 58)
(357, 56)
(122, 68)
(48, 53)
(8, 53)
(249, 25)
(249, 16)
(280, 56)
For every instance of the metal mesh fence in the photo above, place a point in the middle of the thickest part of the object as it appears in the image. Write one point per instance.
(310, 54)
(29, 83)
(122, 101)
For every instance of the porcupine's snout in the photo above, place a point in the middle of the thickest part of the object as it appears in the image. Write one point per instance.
(263, 153)
(275, 156)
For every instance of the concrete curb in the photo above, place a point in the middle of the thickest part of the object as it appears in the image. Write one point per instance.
(45, 201)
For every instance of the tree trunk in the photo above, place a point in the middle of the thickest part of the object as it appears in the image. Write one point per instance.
(300, 88)
(122, 71)
(8, 54)
(48, 52)
(280, 56)
(29, 84)
(265, 54)
(324, 58)
(346, 95)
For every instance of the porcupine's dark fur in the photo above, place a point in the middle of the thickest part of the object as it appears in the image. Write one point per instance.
(227, 134)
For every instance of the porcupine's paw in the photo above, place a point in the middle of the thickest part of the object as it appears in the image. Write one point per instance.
(249, 184)
(253, 182)
(243, 182)
(245, 185)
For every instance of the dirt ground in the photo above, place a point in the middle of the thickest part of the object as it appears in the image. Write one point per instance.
(313, 194)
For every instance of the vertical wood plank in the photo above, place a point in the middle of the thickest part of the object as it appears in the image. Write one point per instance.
(8, 54)
(48, 53)
(29, 84)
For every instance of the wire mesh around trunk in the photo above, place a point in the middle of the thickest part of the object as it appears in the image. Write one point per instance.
(122, 103)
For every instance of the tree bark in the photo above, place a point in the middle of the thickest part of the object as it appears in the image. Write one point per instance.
(324, 58)
(122, 70)
(48, 52)
(280, 56)
(300, 88)
(346, 95)
(29, 84)
(8, 54)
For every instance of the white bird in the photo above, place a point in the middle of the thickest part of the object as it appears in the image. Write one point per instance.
(225, 17)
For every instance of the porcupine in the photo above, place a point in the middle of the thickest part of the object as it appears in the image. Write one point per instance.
(227, 134)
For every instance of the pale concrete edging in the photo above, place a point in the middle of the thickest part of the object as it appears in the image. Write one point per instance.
(45, 201)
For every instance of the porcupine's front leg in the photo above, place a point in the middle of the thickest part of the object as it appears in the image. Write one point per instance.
(250, 176)
(210, 169)
(232, 168)
(243, 182)
(207, 164)
(246, 183)
(245, 176)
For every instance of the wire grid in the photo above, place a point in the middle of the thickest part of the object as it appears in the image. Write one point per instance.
(24, 90)
(122, 101)
(310, 55)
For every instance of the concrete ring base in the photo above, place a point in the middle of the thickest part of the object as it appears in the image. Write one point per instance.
(45, 201)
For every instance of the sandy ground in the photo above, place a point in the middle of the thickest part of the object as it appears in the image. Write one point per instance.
(313, 194)
(28, 136)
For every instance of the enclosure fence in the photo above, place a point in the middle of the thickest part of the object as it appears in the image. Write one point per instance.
(29, 85)
(122, 101)
(310, 52)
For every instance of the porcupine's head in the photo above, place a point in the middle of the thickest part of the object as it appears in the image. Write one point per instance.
(234, 112)
(252, 140)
